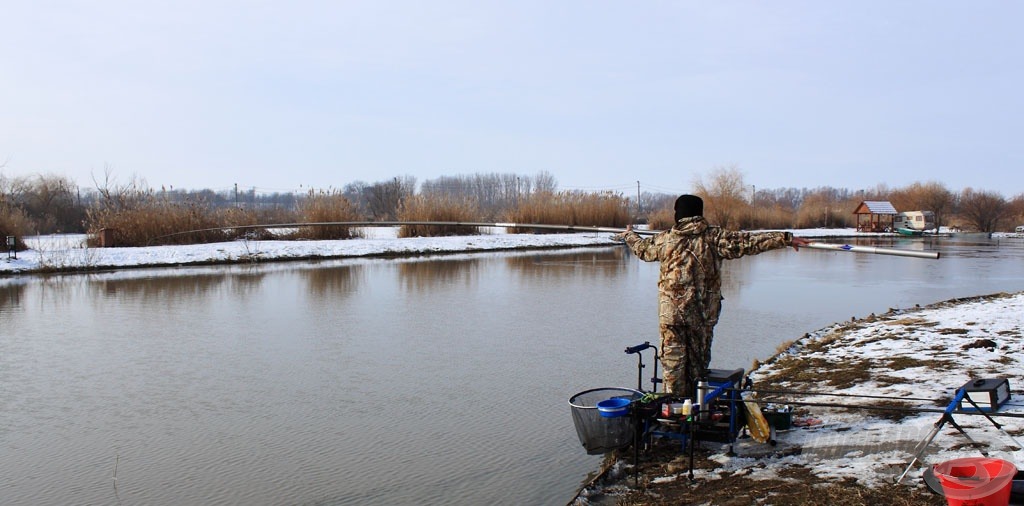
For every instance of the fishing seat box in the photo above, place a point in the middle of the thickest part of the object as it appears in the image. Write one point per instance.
(989, 394)
(719, 377)
(721, 431)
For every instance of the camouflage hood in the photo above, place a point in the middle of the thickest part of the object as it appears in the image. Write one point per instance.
(691, 226)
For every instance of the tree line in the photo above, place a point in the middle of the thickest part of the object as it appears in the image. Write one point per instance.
(46, 204)
(732, 203)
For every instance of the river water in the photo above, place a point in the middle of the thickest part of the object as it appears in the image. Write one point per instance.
(438, 380)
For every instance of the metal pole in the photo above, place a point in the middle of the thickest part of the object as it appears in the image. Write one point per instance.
(995, 423)
(946, 417)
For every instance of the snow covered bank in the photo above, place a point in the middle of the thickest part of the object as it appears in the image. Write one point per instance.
(69, 253)
(908, 362)
(903, 356)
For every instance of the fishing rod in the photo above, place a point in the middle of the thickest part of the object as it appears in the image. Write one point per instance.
(546, 226)
(830, 394)
(470, 224)
(977, 411)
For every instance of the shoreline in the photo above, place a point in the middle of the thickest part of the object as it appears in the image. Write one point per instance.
(850, 456)
(68, 254)
(257, 259)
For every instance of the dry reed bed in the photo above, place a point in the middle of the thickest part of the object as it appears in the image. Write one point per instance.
(146, 219)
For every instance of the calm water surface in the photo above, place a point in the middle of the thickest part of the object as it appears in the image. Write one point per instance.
(418, 381)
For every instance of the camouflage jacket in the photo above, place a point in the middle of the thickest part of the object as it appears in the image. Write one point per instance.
(691, 254)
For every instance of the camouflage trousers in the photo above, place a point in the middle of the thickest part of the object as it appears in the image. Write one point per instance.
(685, 355)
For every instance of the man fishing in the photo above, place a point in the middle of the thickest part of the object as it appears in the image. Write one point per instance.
(690, 284)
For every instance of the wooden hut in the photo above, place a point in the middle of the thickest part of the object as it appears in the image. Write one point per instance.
(875, 216)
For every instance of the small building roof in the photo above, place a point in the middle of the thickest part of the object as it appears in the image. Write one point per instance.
(875, 207)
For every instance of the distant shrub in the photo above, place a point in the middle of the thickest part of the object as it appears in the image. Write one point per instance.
(662, 219)
(14, 222)
(771, 218)
(572, 208)
(438, 208)
(246, 222)
(325, 206)
(141, 218)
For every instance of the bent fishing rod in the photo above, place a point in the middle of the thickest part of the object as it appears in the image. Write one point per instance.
(467, 224)
(545, 226)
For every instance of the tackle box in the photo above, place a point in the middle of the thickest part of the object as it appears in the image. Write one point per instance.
(989, 394)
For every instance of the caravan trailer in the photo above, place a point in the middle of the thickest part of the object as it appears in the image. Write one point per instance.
(914, 222)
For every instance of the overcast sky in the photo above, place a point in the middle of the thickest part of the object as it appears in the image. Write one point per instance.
(282, 96)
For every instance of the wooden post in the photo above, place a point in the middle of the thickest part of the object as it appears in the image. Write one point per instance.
(106, 238)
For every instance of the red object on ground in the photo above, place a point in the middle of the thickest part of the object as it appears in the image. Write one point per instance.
(976, 481)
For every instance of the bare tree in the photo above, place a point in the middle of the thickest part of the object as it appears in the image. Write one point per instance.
(881, 191)
(931, 196)
(655, 202)
(823, 207)
(495, 193)
(544, 182)
(1017, 210)
(983, 210)
(120, 196)
(724, 195)
(357, 192)
(50, 200)
(935, 197)
(384, 199)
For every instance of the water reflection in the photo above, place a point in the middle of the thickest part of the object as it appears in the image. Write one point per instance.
(606, 262)
(420, 277)
(331, 281)
(247, 282)
(10, 296)
(163, 287)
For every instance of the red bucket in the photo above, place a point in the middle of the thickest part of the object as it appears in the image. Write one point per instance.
(976, 481)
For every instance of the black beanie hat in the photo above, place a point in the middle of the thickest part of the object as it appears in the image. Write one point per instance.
(688, 206)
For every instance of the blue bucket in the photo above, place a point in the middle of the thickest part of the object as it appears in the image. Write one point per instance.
(614, 407)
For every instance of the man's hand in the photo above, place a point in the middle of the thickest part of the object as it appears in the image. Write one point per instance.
(622, 236)
(798, 242)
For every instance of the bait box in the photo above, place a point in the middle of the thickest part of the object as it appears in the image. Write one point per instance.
(989, 394)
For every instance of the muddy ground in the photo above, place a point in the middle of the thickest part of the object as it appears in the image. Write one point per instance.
(619, 485)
